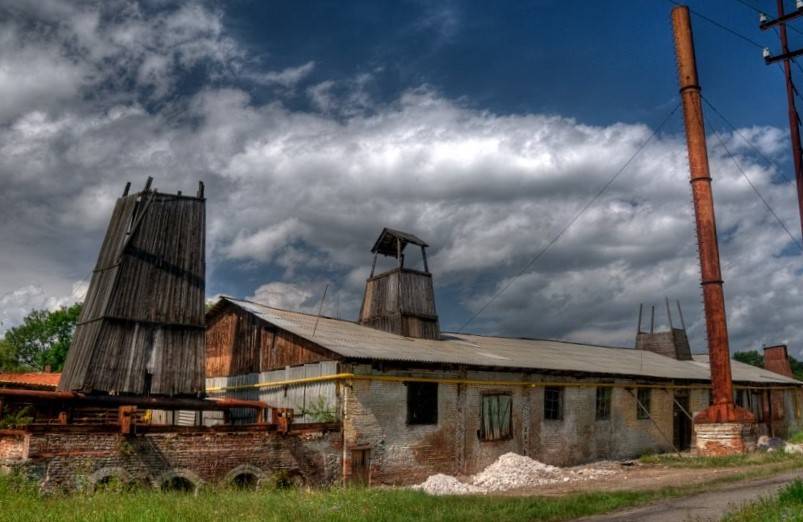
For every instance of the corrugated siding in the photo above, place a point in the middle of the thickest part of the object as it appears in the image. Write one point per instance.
(310, 402)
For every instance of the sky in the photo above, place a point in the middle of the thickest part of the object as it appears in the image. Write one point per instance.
(482, 127)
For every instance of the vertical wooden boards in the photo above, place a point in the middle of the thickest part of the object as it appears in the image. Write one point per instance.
(141, 330)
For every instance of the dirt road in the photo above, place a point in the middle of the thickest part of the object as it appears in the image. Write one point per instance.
(711, 505)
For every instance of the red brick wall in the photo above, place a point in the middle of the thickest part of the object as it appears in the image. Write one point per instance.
(70, 460)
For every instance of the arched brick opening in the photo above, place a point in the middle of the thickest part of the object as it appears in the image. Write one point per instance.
(179, 480)
(245, 476)
(104, 476)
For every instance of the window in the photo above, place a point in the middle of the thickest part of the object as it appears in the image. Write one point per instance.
(740, 395)
(497, 416)
(643, 406)
(553, 403)
(422, 403)
(604, 403)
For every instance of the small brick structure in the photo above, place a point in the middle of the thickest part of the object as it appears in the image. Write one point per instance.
(78, 458)
(724, 438)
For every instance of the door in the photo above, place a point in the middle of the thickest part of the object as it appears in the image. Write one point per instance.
(360, 467)
(681, 421)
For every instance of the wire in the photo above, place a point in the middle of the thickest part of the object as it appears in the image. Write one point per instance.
(572, 221)
(721, 26)
(744, 139)
(760, 11)
(755, 189)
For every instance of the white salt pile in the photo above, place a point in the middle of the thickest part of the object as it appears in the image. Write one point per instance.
(441, 484)
(512, 471)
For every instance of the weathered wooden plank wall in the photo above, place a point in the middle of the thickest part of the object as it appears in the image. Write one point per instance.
(238, 343)
(141, 330)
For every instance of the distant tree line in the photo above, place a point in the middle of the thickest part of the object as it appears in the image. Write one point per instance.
(756, 358)
(41, 341)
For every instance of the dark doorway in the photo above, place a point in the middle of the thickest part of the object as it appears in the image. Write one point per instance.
(681, 421)
(360, 467)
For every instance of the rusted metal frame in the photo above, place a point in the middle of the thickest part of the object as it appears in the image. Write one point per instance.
(657, 428)
(158, 403)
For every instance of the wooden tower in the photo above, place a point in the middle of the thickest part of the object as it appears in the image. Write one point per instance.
(401, 300)
(141, 330)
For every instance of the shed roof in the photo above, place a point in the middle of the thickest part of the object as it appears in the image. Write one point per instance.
(386, 243)
(351, 340)
(37, 379)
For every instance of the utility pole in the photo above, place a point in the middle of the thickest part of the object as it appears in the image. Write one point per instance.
(722, 409)
(794, 120)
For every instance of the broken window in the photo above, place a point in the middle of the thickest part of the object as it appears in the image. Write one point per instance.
(603, 403)
(643, 406)
(497, 416)
(553, 403)
(422, 403)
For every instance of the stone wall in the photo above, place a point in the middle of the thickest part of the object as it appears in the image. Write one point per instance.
(74, 460)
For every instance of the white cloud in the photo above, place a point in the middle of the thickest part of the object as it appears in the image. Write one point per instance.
(15, 305)
(286, 78)
(303, 195)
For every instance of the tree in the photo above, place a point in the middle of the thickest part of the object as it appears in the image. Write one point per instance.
(752, 357)
(8, 359)
(42, 339)
(757, 359)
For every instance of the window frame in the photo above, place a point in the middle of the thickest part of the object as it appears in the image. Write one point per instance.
(604, 413)
(640, 413)
(506, 432)
(560, 402)
(427, 416)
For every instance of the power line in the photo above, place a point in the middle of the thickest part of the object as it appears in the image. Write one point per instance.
(572, 221)
(720, 25)
(755, 189)
(761, 11)
(745, 140)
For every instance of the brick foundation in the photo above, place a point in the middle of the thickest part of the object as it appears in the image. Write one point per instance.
(718, 439)
(76, 461)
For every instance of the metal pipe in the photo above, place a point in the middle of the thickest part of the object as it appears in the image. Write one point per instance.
(166, 403)
(722, 409)
(475, 382)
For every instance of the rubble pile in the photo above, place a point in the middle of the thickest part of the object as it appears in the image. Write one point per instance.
(441, 484)
(512, 471)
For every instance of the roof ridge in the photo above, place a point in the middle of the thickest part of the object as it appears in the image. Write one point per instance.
(235, 299)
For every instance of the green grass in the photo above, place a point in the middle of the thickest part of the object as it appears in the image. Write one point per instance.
(787, 506)
(729, 461)
(796, 438)
(20, 501)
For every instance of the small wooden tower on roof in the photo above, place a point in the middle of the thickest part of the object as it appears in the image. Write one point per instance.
(141, 330)
(401, 300)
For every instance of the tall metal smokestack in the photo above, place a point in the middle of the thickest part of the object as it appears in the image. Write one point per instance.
(722, 409)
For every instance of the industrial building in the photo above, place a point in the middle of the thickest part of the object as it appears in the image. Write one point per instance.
(412, 400)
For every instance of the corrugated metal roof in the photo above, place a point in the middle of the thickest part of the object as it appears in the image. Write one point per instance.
(43, 379)
(352, 340)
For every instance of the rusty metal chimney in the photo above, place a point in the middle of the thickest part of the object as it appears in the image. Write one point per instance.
(722, 409)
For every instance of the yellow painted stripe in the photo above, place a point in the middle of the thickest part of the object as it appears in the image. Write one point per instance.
(474, 382)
